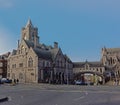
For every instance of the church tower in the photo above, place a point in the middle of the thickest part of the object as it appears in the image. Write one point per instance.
(30, 33)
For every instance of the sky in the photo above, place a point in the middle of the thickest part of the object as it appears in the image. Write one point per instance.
(81, 27)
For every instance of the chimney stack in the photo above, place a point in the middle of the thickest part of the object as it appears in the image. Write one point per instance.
(55, 44)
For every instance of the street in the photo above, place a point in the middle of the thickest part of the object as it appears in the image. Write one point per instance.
(45, 94)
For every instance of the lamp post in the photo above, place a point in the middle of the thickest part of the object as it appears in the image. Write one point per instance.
(67, 73)
(52, 71)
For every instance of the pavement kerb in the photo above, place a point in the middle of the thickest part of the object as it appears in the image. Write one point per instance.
(3, 99)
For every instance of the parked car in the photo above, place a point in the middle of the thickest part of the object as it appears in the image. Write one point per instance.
(5, 80)
(78, 82)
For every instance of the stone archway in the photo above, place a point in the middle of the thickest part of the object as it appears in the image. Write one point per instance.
(97, 77)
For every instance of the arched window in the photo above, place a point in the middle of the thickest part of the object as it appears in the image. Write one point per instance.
(111, 61)
(30, 62)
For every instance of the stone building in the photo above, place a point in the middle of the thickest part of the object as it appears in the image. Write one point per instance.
(34, 62)
(89, 69)
(111, 60)
(3, 65)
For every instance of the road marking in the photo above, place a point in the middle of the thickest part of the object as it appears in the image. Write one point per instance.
(9, 98)
(82, 97)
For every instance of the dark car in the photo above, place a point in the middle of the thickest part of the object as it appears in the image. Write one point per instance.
(80, 83)
(5, 80)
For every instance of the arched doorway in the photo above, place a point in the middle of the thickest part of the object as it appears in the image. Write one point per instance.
(89, 77)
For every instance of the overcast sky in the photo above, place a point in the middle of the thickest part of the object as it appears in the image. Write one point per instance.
(81, 27)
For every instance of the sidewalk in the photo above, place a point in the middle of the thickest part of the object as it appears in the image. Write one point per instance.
(3, 98)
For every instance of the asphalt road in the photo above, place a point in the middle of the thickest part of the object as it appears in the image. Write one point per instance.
(27, 94)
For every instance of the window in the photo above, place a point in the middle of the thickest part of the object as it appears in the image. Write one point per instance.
(8, 75)
(32, 74)
(13, 76)
(57, 63)
(20, 76)
(20, 64)
(14, 66)
(30, 62)
(1, 64)
(101, 70)
(47, 64)
(43, 63)
(32, 36)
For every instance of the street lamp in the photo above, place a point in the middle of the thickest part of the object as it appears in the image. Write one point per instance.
(67, 73)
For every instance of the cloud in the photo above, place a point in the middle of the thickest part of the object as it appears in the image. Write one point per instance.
(6, 3)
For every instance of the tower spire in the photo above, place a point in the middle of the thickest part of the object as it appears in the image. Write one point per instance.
(29, 23)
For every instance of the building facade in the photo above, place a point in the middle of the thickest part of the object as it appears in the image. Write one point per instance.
(90, 71)
(3, 65)
(111, 60)
(34, 62)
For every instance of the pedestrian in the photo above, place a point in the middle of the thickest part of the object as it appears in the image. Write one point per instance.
(17, 81)
(117, 81)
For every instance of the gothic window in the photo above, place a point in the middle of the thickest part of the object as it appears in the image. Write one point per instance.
(111, 60)
(20, 64)
(47, 64)
(30, 62)
(20, 76)
(32, 74)
(8, 75)
(43, 63)
(57, 63)
(101, 70)
(22, 48)
(97, 69)
(61, 63)
(13, 76)
(14, 66)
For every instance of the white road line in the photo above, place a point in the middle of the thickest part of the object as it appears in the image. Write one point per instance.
(9, 98)
(82, 97)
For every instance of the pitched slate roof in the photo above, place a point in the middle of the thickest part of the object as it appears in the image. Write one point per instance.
(29, 43)
(91, 64)
(43, 51)
(113, 50)
(67, 58)
(14, 52)
(44, 54)
(54, 52)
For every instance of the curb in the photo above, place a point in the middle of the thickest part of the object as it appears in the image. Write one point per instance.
(3, 99)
